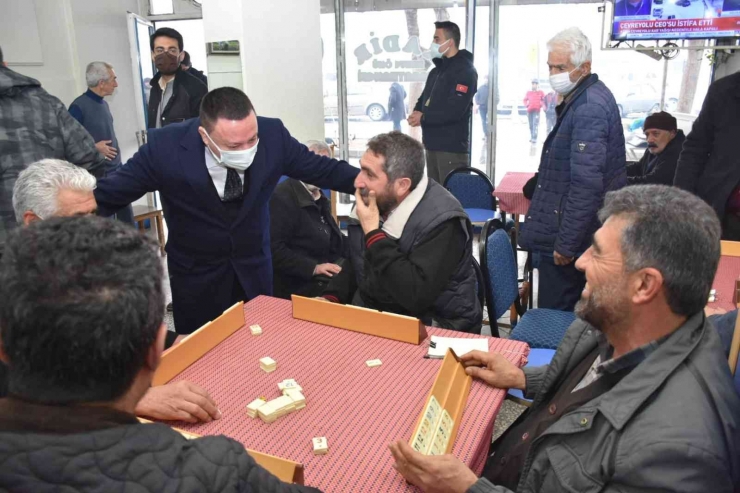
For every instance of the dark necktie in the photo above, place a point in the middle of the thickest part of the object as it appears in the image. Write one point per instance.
(233, 188)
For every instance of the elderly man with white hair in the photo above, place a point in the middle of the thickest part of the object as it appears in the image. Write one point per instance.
(56, 188)
(582, 159)
(307, 246)
(93, 113)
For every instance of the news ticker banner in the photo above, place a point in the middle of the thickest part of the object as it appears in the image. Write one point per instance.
(710, 27)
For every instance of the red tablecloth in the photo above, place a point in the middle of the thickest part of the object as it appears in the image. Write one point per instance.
(359, 410)
(728, 271)
(509, 193)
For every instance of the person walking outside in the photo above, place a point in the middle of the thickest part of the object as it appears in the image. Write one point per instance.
(534, 101)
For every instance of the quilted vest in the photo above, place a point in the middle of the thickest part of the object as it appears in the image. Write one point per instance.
(457, 307)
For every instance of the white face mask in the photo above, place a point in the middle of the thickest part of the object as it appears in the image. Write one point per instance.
(434, 51)
(561, 83)
(238, 160)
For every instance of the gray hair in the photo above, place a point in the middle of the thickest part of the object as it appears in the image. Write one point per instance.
(404, 156)
(673, 231)
(318, 146)
(97, 72)
(575, 42)
(38, 186)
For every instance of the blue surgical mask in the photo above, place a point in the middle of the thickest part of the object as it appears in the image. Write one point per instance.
(238, 160)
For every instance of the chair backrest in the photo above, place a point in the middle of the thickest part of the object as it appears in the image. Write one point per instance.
(499, 269)
(471, 187)
(480, 284)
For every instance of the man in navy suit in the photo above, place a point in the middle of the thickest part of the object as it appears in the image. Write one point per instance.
(215, 175)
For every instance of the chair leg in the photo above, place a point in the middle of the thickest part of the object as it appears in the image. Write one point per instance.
(524, 293)
(513, 316)
(160, 233)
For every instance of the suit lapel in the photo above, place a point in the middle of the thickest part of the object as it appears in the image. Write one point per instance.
(192, 157)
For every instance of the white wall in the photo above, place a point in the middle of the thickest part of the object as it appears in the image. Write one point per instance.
(225, 71)
(281, 58)
(56, 72)
(19, 33)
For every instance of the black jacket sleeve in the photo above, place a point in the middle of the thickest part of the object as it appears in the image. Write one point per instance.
(196, 90)
(457, 104)
(635, 170)
(415, 280)
(342, 287)
(529, 187)
(697, 146)
(661, 174)
(427, 87)
(286, 261)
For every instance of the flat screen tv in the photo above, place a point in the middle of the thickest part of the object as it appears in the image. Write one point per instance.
(675, 19)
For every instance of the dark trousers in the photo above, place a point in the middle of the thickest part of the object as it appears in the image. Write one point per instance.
(534, 124)
(439, 164)
(194, 308)
(560, 286)
(484, 121)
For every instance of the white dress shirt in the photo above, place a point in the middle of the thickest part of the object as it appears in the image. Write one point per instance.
(218, 173)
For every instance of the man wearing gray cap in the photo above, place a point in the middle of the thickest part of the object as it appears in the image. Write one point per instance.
(658, 164)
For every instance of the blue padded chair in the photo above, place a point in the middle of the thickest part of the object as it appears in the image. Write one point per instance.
(474, 190)
(499, 271)
(540, 328)
(537, 357)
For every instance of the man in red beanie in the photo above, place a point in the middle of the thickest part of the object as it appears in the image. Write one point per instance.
(658, 164)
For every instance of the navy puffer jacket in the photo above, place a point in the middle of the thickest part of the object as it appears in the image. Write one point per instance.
(582, 159)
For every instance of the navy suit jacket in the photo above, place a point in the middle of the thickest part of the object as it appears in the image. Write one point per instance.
(207, 250)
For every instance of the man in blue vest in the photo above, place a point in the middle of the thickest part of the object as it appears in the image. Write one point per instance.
(93, 113)
(215, 175)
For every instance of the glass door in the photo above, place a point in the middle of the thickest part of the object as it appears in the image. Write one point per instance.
(387, 57)
(139, 30)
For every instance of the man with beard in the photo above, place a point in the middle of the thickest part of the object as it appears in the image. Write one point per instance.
(175, 95)
(658, 164)
(638, 396)
(410, 242)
